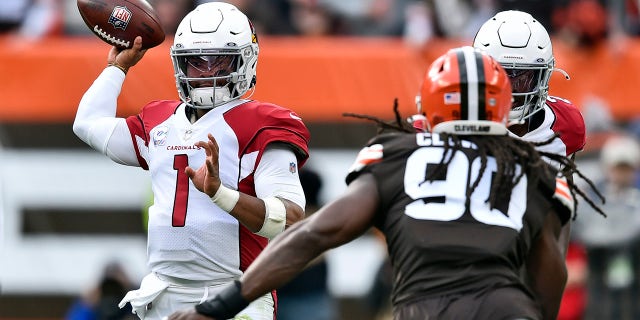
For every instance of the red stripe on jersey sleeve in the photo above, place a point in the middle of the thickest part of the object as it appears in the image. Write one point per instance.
(150, 116)
(257, 124)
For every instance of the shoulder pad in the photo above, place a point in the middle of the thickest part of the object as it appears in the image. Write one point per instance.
(569, 124)
(368, 155)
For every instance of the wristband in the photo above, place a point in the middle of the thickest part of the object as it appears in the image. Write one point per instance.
(226, 304)
(226, 198)
(115, 64)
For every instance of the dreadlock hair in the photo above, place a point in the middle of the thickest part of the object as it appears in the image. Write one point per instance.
(398, 125)
(510, 153)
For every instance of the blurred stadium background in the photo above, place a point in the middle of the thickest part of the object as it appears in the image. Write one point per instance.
(66, 212)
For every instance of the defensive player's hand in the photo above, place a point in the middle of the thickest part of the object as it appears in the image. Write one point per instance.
(187, 314)
(127, 58)
(207, 177)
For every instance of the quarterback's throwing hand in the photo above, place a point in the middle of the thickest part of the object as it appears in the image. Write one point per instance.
(207, 177)
(126, 58)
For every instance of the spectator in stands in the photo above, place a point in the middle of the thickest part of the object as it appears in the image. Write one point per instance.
(171, 12)
(417, 29)
(543, 10)
(582, 23)
(613, 244)
(32, 20)
(574, 298)
(370, 17)
(311, 18)
(101, 302)
(12, 13)
(470, 15)
(268, 17)
(625, 14)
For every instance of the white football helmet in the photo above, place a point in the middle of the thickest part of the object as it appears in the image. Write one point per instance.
(214, 55)
(523, 47)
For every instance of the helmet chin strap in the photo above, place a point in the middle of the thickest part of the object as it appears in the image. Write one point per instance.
(519, 115)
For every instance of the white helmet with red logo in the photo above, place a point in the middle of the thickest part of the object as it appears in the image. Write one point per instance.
(523, 47)
(217, 42)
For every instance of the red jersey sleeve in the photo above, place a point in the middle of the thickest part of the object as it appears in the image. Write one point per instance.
(257, 124)
(569, 123)
(150, 116)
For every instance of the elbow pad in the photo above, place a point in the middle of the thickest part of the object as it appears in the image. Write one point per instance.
(275, 217)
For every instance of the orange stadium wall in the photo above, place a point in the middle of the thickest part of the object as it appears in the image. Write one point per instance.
(319, 78)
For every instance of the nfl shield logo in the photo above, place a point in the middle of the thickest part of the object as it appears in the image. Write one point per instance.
(120, 17)
(292, 167)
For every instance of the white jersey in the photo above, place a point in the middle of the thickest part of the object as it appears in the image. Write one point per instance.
(562, 117)
(189, 237)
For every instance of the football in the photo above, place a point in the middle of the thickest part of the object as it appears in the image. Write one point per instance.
(119, 22)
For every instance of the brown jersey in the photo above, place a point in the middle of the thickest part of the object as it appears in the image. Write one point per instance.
(440, 243)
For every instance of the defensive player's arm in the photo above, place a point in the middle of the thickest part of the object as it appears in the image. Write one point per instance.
(545, 266)
(96, 123)
(563, 202)
(337, 223)
(565, 235)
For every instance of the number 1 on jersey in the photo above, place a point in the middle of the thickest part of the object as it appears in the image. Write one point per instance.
(179, 216)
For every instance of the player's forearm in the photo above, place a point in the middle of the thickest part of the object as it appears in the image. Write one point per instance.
(250, 211)
(333, 225)
(547, 272)
(564, 238)
(549, 291)
(260, 214)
